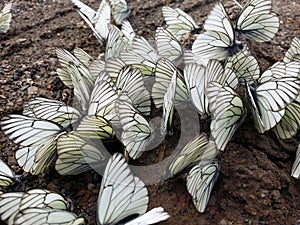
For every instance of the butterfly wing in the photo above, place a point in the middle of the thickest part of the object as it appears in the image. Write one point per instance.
(227, 110)
(290, 122)
(76, 155)
(293, 53)
(195, 151)
(200, 182)
(46, 216)
(136, 129)
(256, 22)
(119, 192)
(163, 74)
(130, 81)
(178, 22)
(167, 46)
(7, 175)
(153, 216)
(218, 40)
(53, 110)
(120, 10)
(5, 17)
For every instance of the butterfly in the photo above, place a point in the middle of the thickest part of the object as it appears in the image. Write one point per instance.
(77, 155)
(289, 124)
(5, 17)
(120, 10)
(293, 53)
(227, 112)
(220, 39)
(200, 182)
(277, 88)
(196, 150)
(37, 130)
(74, 73)
(7, 175)
(97, 20)
(12, 203)
(136, 129)
(123, 195)
(178, 22)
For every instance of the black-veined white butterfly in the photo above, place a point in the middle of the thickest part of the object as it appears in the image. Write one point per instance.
(136, 129)
(219, 41)
(128, 31)
(123, 195)
(45, 216)
(293, 53)
(164, 71)
(12, 203)
(120, 10)
(5, 17)
(130, 81)
(290, 122)
(227, 111)
(7, 175)
(77, 155)
(200, 182)
(245, 66)
(75, 74)
(196, 150)
(256, 22)
(97, 20)
(167, 46)
(197, 77)
(296, 165)
(178, 22)
(277, 88)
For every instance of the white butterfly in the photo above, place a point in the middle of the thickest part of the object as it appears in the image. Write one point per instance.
(130, 81)
(178, 22)
(293, 53)
(277, 88)
(120, 10)
(196, 150)
(5, 17)
(123, 195)
(227, 111)
(136, 129)
(7, 175)
(289, 124)
(200, 182)
(97, 20)
(12, 203)
(77, 155)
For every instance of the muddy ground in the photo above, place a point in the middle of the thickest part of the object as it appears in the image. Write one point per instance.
(254, 186)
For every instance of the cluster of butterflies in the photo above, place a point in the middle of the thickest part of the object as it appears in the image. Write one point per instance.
(114, 95)
(5, 18)
(39, 206)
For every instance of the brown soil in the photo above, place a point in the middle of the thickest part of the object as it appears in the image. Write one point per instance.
(254, 186)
